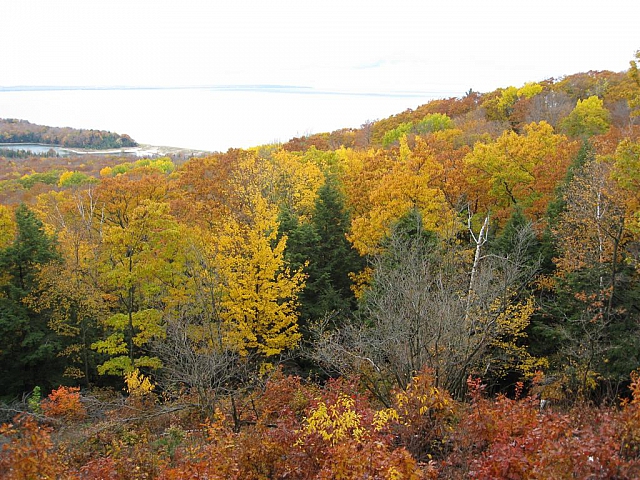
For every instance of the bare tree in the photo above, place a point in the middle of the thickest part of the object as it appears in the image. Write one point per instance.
(195, 361)
(428, 306)
(550, 107)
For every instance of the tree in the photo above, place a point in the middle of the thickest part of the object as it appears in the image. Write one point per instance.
(435, 122)
(321, 247)
(429, 305)
(259, 292)
(634, 75)
(69, 290)
(7, 226)
(594, 282)
(141, 261)
(402, 182)
(588, 118)
(520, 170)
(626, 172)
(28, 348)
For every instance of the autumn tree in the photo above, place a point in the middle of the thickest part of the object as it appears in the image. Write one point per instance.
(140, 264)
(7, 226)
(594, 282)
(519, 170)
(589, 117)
(634, 75)
(140, 261)
(70, 290)
(259, 292)
(399, 182)
(626, 173)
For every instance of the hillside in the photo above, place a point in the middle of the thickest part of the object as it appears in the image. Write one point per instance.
(392, 301)
(22, 131)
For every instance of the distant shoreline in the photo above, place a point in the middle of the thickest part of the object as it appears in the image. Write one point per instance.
(290, 89)
(141, 150)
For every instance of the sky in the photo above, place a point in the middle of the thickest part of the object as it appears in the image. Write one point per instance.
(367, 46)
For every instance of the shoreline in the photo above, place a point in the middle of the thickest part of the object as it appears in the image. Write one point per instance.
(142, 150)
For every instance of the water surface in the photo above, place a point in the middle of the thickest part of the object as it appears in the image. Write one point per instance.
(212, 119)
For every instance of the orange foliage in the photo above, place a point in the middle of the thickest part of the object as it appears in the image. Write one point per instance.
(64, 403)
(29, 452)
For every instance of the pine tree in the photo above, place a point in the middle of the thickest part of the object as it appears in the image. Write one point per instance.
(322, 245)
(28, 347)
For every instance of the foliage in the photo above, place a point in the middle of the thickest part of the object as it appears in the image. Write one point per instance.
(51, 177)
(259, 301)
(396, 134)
(479, 241)
(74, 179)
(634, 75)
(7, 226)
(320, 246)
(588, 118)
(435, 122)
(138, 385)
(395, 184)
(29, 452)
(64, 403)
(162, 165)
(21, 131)
(519, 170)
(33, 402)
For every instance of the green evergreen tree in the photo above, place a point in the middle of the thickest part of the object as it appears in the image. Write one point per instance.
(28, 348)
(322, 245)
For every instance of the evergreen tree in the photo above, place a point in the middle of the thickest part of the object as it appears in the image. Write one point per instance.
(28, 347)
(322, 245)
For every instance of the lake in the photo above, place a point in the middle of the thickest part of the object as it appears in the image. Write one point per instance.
(206, 118)
(35, 148)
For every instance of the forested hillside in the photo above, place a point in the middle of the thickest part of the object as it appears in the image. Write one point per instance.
(392, 301)
(22, 131)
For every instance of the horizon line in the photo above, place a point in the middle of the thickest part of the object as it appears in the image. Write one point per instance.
(265, 88)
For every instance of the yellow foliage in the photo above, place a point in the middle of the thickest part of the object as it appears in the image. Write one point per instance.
(65, 177)
(335, 423)
(259, 292)
(361, 281)
(515, 169)
(137, 384)
(7, 226)
(296, 182)
(529, 90)
(512, 322)
(383, 417)
(403, 182)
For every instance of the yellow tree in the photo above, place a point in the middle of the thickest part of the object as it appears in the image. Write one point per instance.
(588, 118)
(7, 233)
(7, 226)
(259, 293)
(634, 75)
(295, 181)
(519, 170)
(406, 184)
(626, 172)
(142, 261)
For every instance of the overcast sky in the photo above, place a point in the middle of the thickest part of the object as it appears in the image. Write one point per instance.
(351, 45)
